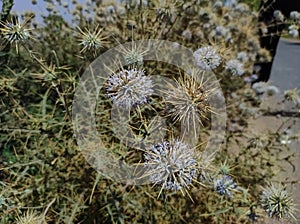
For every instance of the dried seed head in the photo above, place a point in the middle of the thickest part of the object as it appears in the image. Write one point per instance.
(171, 164)
(188, 101)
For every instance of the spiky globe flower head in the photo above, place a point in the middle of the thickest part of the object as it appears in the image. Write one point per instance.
(172, 165)
(242, 56)
(207, 58)
(235, 67)
(129, 88)
(16, 33)
(188, 101)
(224, 185)
(293, 31)
(30, 218)
(278, 15)
(292, 95)
(277, 202)
(90, 40)
(295, 15)
(168, 9)
(133, 54)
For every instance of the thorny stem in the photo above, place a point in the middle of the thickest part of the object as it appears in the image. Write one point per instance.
(57, 86)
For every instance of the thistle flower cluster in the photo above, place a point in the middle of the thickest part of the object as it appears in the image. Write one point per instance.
(292, 23)
(90, 40)
(292, 95)
(135, 55)
(30, 218)
(171, 164)
(167, 10)
(129, 88)
(278, 15)
(188, 101)
(261, 88)
(15, 33)
(277, 202)
(224, 185)
(295, 15)
(235, 67)
(207, 58)
(242, 56)
(293, 31)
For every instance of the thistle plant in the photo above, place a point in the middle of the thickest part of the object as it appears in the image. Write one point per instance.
(292, 95)
(277, 202)
(39, 156)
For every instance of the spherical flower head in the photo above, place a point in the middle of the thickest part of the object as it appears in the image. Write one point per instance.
(229, 3)
(134, 54)
(134, 57)
(221, 31)
(187, 35)
(207, 58)
(129, 88)
(295, 15)
(292, 95)
(235, 67)
(171, 164)
(251, 78)
(260, 87)
(15, 33)
(224, 185)
(272, 90)
(242, 56)
(188, 101)
(90, 40)
(278, 15)
(277, 202)
(30, 218)
(293, 31)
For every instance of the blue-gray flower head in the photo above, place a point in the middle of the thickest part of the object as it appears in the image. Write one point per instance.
(207, 58)
(129, 88)
(278, 15)
(295, 15)
(171, 164)
(242, 56)
(235, 67)
(224, 185)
